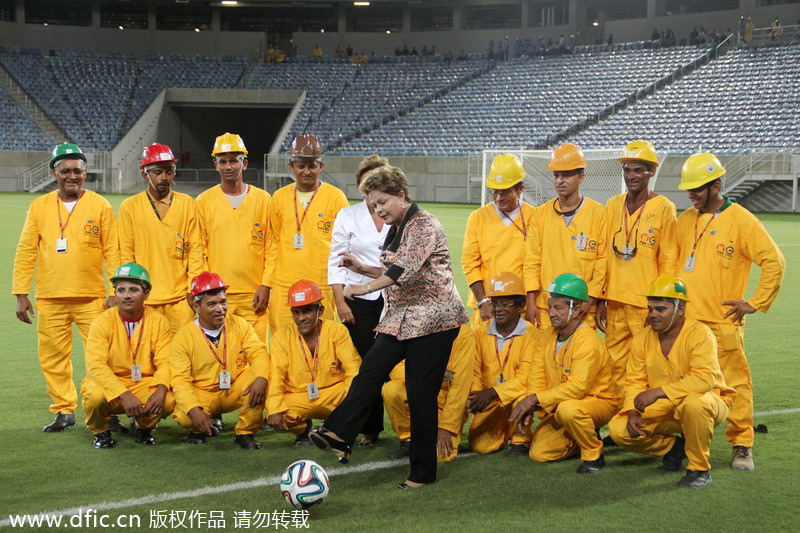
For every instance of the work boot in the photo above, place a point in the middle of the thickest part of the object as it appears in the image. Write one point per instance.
(103, 441)
(115, 426)
(61, 422)
(302, 439)
(404, 450)
(196, 438)
(591, 467)
(247, 442)
(743, 458)
(674, 457)
(694, 479)
(517, 450)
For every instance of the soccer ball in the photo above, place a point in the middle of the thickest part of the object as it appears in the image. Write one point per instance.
(304, 484)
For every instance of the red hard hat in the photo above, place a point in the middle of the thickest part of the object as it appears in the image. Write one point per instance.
(303, 292)
(207, 281)
(156, 153)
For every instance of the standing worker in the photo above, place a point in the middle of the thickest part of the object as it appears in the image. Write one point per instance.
(643, 242)
(718, 242)
(160, 220)
(497, 234)
(572, 233)
(67, 235)
(301, 217)
(234, 230)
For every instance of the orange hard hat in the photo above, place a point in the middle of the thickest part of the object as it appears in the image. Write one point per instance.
(207, 281)
(506, 284)
(566, 156)
(303, 292)
(156, 153)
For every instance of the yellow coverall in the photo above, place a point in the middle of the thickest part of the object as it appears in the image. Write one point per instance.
(697, 398)
(490, 429)
(70, 287)
(169, 249)
(293, 368)
(235, 245)
(653, 234)
(452, 398)
(491, 247)
(195, 372)
(576, 395)
(556, 251)
(732, 241)
(309, 262)
(109, 357)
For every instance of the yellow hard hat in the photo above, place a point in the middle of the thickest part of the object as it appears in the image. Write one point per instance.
(640, 151)
(700, 169)
(228, 143)
(566, 157)
(666, 286)
(505, 172)
(506, 284)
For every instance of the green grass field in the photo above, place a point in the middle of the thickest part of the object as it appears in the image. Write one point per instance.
(48, 472)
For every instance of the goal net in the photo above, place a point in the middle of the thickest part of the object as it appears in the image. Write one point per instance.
(603, 174)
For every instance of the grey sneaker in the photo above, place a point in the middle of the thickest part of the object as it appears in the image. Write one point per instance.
(743, 458)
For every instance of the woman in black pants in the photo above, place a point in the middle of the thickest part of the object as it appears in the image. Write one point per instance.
(357, 238)
(421, 321)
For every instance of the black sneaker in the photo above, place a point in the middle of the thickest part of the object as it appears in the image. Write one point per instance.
(143, 436)
(517, 450)
(196, 438)
(115, 426)
(302, 439)
(61, 422)
(103, 441)
(592, 467)
(404, 450)
(674, 457)
(247, 442)
(694, 479)
(216, 424)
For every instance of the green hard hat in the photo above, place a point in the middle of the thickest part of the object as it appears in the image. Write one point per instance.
(570, 285)
(132, 272)
(66, 151)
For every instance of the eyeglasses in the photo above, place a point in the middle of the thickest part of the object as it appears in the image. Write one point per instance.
(627, 250)
(503, 192)
(77, 172)
(502, 304)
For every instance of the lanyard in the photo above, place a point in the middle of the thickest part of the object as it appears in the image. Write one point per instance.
(298, 220)
(698, 237)
(564, 348)
(63, 225)
(138, 341)
(629, 231)
(224, 360)
(153, 204)
(312, 371)
(523, 229)
(508, 353)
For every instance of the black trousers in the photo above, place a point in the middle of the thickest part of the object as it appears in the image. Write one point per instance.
(426, 360)
(367, 314)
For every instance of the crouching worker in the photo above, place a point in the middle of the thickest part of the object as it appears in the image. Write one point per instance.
(505, 347)
(452, 400)
(673, 385)
(127, 361)
(570, 383)
(313, 362)
(218, 365)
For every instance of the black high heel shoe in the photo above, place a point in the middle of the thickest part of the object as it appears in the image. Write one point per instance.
(338, 448)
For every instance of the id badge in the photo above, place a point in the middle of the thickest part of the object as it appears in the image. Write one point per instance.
(500, 380)
(449, 375)
(299, 240)
(313, 391)
(224, 381)
(580, 241)
(61, 245)
(689, 266)
(136, 372)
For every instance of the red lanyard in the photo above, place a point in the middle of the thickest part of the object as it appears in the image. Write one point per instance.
(564, 348)
(629, 231)
(698, 237)
(298, 220)
(63, 225)
(139, 341)
(508, 353)
(311, 371)
(523, 229)
(224, 360)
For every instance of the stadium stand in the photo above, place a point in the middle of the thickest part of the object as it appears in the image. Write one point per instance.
(17, 130)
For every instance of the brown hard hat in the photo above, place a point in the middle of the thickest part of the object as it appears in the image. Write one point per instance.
(305, 146)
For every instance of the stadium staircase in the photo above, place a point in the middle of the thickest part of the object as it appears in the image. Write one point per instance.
(30, 107)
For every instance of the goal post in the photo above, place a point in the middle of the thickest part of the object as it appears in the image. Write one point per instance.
(603, 174)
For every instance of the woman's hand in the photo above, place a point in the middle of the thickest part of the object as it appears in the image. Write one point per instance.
(350, 262)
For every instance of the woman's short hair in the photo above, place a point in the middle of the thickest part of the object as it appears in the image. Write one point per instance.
(371, 162)
(388, 179)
